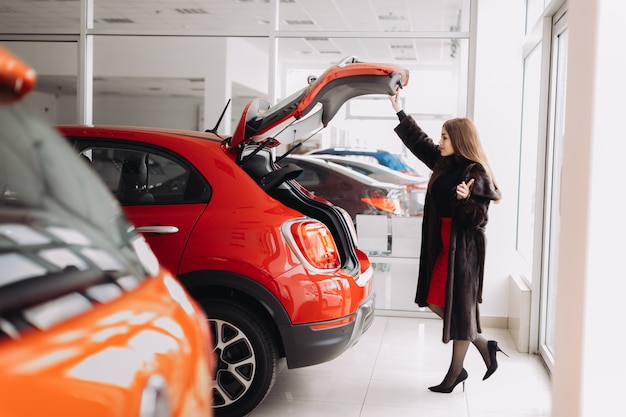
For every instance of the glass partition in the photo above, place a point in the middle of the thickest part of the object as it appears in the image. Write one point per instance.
(54, 97)
(527, 189)
(177, 64)
(188, 16)
(176, 82)
(375, 15)
(553, 204)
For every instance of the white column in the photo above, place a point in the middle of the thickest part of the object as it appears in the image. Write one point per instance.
(590, 339)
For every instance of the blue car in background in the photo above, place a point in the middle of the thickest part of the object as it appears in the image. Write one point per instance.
(386, 158)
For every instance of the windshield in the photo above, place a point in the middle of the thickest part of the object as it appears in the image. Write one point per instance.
(51, 199)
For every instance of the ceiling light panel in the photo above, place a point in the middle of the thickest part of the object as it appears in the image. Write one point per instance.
(226, 16)
(62, 16)
(203, 15)
(328, 15)
(31, 16)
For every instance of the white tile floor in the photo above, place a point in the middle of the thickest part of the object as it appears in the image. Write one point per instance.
(389, 371)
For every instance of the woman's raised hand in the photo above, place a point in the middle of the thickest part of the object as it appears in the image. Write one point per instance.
(395, 101)
(464, 190)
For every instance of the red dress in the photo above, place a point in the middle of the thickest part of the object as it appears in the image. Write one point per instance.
(437, 289)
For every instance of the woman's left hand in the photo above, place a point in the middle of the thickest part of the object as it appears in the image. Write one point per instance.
(464, 190)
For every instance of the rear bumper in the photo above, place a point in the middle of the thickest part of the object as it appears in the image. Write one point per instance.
(308, 346)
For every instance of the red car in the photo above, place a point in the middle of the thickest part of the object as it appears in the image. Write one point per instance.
(277, 271)
(90, 323)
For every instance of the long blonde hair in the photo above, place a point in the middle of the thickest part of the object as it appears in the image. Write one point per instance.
(466, 142)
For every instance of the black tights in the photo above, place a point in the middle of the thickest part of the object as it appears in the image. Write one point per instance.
(459, 349)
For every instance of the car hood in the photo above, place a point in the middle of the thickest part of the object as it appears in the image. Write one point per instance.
(311, 108)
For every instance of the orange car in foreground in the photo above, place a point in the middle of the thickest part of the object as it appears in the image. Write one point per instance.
(90, 323)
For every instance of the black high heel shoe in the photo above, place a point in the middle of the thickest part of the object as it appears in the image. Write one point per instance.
(447, 390)
(493, 348)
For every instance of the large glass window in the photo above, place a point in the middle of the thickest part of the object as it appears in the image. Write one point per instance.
(441, 74)
(54, 98)
(177, 64)
(177, 16)
(534, 10)
(375, 15)
(36, 16)
(527, 197)
(180, 82)
(553, 182)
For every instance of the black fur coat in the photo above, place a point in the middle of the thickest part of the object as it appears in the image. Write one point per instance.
(467, 241)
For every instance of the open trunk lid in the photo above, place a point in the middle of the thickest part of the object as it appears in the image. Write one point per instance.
(311, 108)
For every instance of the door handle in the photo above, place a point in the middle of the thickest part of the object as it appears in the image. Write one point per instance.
(161, 230)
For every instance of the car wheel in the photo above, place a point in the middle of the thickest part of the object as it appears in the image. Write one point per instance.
(246, 356)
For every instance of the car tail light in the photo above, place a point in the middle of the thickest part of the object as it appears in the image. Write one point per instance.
(382, 201)
(314, 244)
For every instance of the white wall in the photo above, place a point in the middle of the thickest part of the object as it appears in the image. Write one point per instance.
(497, 109)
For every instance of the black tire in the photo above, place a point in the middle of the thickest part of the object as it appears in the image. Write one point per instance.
(246, 356)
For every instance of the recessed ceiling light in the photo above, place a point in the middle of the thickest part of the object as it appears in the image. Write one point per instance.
(190, 11)
(391, 16)
(295, 22)
(117, 20)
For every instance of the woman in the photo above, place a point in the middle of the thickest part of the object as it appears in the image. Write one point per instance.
(452, 255)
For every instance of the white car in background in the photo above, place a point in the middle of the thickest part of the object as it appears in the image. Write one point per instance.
(415, 185)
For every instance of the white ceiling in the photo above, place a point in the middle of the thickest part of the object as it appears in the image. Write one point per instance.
(388, 21)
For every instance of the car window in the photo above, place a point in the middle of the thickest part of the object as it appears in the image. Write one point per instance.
(311, 176)
(358, 168)
(143, 177)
